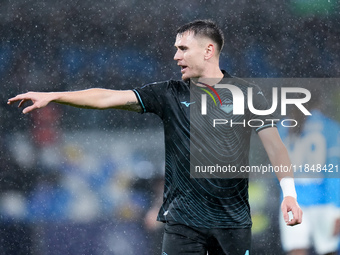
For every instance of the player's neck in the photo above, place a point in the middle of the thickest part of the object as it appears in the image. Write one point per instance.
(211, 76)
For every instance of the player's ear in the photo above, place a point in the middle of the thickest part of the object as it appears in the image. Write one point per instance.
(209, 51)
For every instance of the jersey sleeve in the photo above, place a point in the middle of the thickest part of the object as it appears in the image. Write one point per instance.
(332, 134)
(260, 102)
(151, 97)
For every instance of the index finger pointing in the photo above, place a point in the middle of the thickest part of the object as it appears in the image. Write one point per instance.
(14, 99)
(19, 97)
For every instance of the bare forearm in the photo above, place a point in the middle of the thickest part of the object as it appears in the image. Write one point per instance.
(278, 155)
(90, 98)
(277, 152)
(94, 98)
(83, 98)
(281, 160)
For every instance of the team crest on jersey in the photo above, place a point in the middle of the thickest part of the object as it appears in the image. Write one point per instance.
(227, 106)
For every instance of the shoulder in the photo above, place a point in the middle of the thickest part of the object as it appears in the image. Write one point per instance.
(163, 86)
(164, 83)
(242, 84)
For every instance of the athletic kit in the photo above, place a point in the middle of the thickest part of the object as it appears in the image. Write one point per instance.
(317, 144)
(200, 208)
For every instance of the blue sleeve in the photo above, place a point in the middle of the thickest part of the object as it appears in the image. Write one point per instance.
(333, 158)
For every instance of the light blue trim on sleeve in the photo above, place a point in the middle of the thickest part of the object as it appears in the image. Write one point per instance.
(140, 100)
(265, 126)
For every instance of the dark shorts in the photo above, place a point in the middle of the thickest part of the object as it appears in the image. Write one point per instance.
(180, 239)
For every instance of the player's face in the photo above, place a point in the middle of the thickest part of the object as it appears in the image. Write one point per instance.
(189, 55)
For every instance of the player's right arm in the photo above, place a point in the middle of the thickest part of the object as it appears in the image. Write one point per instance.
(95, 98)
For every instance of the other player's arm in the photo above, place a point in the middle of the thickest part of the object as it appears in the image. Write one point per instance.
(278, 156)
(95, 98)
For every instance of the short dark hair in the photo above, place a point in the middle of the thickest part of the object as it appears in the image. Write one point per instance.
(206, 28)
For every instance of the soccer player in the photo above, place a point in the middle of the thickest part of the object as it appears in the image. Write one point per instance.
(201, 214)
(315, 144)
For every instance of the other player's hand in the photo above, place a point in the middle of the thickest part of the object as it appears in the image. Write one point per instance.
(289, 204)
(39, 100)
(337, 227)
(150, 221)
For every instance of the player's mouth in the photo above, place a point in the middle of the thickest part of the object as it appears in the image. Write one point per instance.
(183, 69)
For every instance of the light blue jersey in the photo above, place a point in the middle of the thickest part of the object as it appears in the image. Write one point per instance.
(316, 149)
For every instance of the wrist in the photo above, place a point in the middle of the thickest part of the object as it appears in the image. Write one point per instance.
(288, 187)
(56, 97)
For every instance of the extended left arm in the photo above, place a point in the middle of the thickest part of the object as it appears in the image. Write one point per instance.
(278, 156)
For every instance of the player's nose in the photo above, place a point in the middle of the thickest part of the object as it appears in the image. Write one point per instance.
(177, 56)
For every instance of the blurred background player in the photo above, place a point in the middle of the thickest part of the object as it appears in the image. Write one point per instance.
(314, 143)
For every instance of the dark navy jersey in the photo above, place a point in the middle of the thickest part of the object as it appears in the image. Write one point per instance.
(191, 139)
